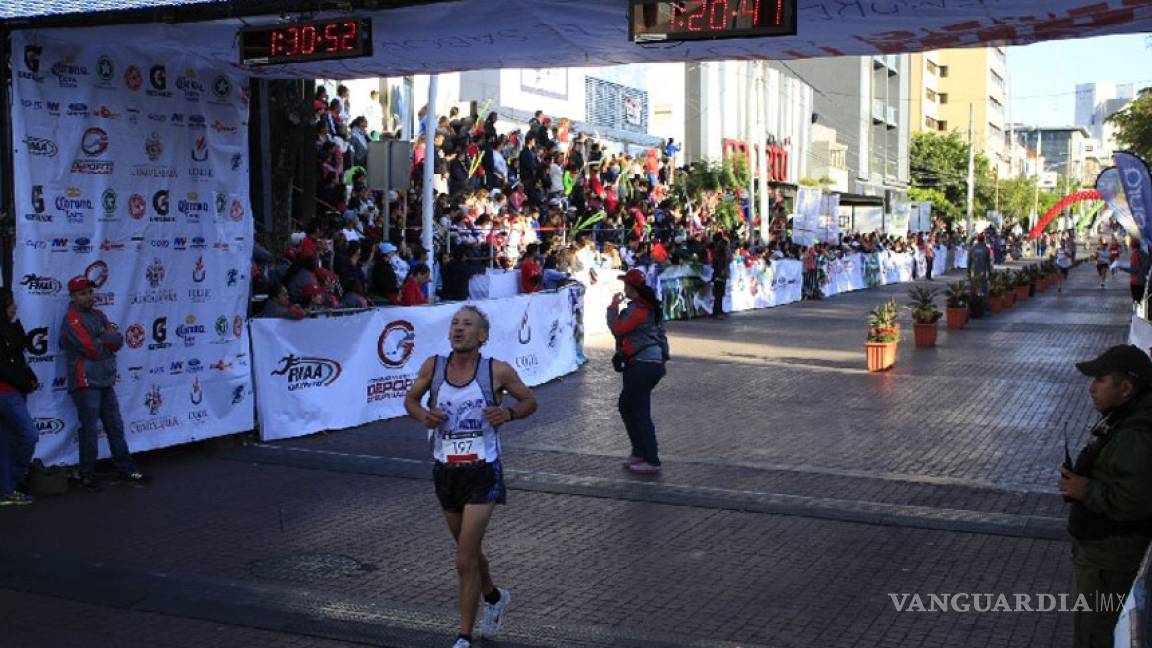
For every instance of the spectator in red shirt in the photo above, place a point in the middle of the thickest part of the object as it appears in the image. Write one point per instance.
(531, 277)
(413, 291)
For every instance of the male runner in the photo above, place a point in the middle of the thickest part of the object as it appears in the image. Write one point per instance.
(462, 416)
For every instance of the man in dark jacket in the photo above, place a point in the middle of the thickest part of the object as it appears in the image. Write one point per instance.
(90, 343)
(720, 261)
(17, 431)
(1110, 491)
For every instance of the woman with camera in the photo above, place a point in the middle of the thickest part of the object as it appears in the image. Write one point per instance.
(641, 350)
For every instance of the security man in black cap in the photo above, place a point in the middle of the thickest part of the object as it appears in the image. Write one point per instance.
(1110, 490)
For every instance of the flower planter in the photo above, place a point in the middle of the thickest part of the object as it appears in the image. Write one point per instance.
(956, 317)
(996, 303)
(925, 335)
(1021, 293)
(881, 355)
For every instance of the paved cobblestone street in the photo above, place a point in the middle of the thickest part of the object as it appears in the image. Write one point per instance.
(799, 491)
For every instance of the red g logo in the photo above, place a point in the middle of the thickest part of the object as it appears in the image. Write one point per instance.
(396, 343)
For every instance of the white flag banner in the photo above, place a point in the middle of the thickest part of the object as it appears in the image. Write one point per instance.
(131, 168)
(339, 372)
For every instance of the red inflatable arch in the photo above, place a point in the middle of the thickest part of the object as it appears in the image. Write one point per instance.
(1072, 198)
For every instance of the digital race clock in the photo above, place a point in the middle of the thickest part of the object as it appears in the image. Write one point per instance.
(683, 20)
(303, 42)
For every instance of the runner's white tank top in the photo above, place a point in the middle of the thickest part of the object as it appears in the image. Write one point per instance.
(465, 435)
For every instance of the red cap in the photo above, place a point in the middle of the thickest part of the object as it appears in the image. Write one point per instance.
(311, 290)
(78, 283)
(634, 277)
(324, 275)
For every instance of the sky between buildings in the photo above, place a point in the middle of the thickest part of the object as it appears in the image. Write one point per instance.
(1044, 76)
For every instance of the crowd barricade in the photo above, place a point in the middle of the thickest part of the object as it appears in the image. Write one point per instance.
(686, 290)
(330, 373)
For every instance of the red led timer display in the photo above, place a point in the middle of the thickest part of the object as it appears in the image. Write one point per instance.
(306, 41)
(673, 20)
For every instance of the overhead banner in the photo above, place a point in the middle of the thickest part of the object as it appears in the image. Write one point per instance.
(422, 38)
(131, 168)
(337, 372)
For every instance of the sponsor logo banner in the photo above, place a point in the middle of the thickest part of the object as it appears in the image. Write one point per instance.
(332, 373)
(118, 156)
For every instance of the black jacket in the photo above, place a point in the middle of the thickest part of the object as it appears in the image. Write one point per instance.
(14, 369)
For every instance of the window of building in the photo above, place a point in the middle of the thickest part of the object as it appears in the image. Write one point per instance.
(931, 124)
(942, 97)
(933, 68)
(943, 70)
(942, 124)
(930, 94)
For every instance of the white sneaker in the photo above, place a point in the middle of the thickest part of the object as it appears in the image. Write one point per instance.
(462, 643)
(493, 615)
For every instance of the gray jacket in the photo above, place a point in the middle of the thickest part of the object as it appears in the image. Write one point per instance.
(636, 332)
(90, 343)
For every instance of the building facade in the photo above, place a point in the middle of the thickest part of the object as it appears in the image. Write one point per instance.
(1066, 152)
(861, 122)
(952, 87)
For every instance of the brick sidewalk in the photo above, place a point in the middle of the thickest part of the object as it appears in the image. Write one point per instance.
(772, 434)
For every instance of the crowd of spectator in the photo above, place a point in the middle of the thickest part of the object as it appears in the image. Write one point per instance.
(544, 200)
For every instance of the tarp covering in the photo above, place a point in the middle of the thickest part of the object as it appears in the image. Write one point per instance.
(486, 34)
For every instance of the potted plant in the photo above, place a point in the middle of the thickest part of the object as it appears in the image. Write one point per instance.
(1023, 283)
(996, 300)
(956, 305)
(925, 315)
(883, 336)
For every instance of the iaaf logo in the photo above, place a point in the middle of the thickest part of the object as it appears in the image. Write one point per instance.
(308, 372)
(396, 343)
(198, 273)
(46, 425)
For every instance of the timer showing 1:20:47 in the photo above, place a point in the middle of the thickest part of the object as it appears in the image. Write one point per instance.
(708, 19)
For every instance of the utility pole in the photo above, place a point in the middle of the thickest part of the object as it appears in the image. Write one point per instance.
(971, 169)
(1039, 170)
(749, 116)
(761, 132)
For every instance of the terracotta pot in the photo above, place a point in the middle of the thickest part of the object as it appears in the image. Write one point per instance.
(1021, 293)
(956, 318)
(881, 355)
(925, 335)
(996, 304)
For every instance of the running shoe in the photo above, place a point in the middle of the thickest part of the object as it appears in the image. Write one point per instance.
(135, 478)
(644, 468)
(493, 615)
(632, 461)
(462, 643)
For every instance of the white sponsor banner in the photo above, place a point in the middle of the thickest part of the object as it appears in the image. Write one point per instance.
(338, 372)
(131, 168)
